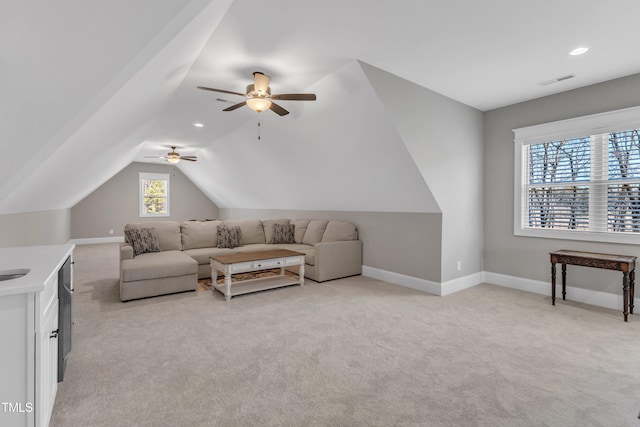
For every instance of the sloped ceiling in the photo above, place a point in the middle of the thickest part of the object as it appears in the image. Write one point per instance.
(89, 87)
(340, 153)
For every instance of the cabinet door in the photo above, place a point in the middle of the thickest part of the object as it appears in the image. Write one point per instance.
(47, 366)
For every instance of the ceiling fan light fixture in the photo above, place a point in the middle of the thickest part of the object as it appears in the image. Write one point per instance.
(258, 104)
(173, 158)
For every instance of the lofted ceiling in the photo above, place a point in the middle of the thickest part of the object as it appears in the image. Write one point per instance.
(89, 87)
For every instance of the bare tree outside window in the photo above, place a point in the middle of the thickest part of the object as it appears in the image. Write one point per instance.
(623, 198)
(562, 183)
(558, 196)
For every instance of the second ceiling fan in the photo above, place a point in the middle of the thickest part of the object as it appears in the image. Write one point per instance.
(259, 97)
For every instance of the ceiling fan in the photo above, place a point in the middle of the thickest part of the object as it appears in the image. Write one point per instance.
(174, 157)
(259, 97)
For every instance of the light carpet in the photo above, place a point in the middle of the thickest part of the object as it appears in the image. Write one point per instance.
(349, 352)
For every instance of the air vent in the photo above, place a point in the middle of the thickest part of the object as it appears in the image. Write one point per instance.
(556, 80)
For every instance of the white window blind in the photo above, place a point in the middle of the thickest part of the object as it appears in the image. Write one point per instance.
(580, 185)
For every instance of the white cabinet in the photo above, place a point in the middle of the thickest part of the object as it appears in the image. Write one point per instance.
(29, 337)
(47, 365)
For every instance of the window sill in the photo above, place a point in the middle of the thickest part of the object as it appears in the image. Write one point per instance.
(626, 239)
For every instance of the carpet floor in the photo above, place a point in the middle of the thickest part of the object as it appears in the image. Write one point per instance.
(349, 352)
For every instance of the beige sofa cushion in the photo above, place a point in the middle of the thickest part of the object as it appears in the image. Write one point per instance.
(301, 228)
(199, 234)
(251, 229)
(337, 231)
(202, 255)
(268, 225)
(169, 236)
(315, 231)
(157, 265)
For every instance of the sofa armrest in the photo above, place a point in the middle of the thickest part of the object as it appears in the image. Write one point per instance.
(126, 251)
(338, 259)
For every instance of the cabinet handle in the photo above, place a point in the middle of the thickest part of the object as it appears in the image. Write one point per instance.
(54, 334)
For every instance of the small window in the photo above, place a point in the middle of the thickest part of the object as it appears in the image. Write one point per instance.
(154, 194)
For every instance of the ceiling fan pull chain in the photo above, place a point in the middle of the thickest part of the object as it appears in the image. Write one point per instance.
(258, 130)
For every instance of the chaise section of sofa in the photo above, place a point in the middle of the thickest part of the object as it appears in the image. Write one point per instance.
(157, 273)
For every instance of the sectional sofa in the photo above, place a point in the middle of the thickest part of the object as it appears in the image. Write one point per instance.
(174, 255)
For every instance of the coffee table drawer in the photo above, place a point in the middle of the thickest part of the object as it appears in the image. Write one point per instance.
(268, 263)
(293, 260)
(241, 266)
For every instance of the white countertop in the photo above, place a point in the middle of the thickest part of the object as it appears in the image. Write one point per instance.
(44, 261)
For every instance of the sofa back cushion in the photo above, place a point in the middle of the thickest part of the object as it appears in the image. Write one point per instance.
(251, 230)
(268, 225)
(168, 233)
(337, 231)
(315, 231)
(300, 226)
(199, 234)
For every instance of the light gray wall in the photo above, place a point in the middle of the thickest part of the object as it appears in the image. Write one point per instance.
(525, 256)
(400, 242)
(116, 203)
(35, 228)
(445, 139)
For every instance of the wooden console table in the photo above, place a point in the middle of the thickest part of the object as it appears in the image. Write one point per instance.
(626, 264)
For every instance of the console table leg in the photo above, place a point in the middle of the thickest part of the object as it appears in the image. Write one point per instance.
(625, 294)
(632, 285)
(564, 281)
(553, 283)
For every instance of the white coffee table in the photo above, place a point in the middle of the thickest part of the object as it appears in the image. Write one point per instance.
(245, 262)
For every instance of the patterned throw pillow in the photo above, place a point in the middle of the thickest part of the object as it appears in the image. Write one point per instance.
(228, 237)
(283, 233)
(143, 240)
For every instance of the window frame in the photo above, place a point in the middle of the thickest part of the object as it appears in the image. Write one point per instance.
(595, 124)
(142, 176)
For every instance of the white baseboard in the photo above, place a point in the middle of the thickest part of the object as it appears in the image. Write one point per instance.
(423, 285)
(586, 296)
(94, 240)
(465, 282)
(402, 280)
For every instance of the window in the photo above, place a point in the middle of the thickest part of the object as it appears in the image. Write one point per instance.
(154, 194)
(580, 178)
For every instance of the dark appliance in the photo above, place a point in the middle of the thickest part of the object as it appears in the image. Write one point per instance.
(65, 294)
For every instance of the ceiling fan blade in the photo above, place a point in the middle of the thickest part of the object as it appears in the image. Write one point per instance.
(221, 90)
(278, 109)
(188, 157)
(295, 96)
(235, 107)
(189, 160)
(154, 157)
(261, 82)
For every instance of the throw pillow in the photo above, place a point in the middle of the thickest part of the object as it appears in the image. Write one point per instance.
(143, 240)
(228, 237)
(283, 233)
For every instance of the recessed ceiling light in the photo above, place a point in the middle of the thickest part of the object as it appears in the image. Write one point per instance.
(198, 125)
(579, 51)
